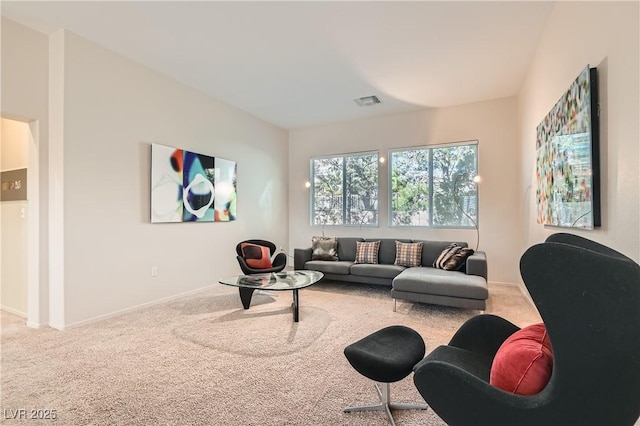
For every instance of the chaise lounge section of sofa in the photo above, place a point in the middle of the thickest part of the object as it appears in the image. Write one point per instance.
(464, 288)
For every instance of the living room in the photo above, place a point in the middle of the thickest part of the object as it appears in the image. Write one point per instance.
(96, 113)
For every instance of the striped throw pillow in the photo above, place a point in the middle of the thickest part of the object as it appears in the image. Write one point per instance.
(367, 251)
(408, 254)
(452, 257)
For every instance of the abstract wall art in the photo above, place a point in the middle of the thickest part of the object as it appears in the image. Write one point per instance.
(225, 200)
(198, 184)
(166, 184)
(191, 187)
(567, 158)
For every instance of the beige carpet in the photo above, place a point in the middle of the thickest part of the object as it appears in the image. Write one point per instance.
(203, 360)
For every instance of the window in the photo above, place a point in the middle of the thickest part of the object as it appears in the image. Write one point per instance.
(434, 186)
(344, 189)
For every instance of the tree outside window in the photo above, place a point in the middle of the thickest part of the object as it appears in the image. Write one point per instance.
(410, 187)
(345, 190)
(434, 186)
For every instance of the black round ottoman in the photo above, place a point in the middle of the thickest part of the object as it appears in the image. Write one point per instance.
(386, 356)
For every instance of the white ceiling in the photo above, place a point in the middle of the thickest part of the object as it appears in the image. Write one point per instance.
(298, 64)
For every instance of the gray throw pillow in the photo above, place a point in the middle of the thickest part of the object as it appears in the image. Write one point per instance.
(324, 248)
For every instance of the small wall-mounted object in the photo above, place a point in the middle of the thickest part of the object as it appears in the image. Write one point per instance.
(14, 185)
(366, 101)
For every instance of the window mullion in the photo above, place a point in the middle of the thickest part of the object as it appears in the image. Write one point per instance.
(430, 187)
(344, 190)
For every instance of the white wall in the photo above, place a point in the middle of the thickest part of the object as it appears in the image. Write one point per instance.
(25, 98)
(113, 109)
(604, 35)
(14, 144)
(493, 124)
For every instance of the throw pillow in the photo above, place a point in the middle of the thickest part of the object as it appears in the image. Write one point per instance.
(408, 254)
(524, 362)
(367, 251)
(255, 256)
(453, 257)
(324, 248)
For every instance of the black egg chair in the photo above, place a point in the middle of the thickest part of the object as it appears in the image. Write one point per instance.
(588, 296)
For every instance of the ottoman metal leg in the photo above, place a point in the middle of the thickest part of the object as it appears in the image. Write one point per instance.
(385, 404)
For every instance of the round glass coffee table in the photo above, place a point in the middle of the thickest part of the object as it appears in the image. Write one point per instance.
(277, 281)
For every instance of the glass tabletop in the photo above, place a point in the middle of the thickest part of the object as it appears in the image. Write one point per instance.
(285, 280)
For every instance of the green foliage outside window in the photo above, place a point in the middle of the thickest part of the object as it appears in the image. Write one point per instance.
(434, 186)
(345, 190)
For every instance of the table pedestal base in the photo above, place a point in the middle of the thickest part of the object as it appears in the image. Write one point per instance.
(247, 293)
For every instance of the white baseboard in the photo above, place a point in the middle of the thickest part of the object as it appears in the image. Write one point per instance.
(130, 309)
(14, 311)
(501, 283)
(24, 315)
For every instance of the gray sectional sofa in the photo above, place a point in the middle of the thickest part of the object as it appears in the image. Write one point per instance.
(465, 288)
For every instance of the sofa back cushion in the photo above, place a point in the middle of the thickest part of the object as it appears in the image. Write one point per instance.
(347, 248)
(432, 249)
(387, 252)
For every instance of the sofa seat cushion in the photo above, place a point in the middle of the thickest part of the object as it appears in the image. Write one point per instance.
(438, 281)
(377, 270)
(330, 266)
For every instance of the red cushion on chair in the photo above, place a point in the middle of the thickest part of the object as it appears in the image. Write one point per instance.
(524, 362)
(256, 257)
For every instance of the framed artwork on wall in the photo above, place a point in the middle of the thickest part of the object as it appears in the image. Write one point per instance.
(225, 190)
(191, 187)
(166, 184)
(14, 185)
(568, 158)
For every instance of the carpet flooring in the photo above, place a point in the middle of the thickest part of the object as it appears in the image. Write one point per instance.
(203, 360)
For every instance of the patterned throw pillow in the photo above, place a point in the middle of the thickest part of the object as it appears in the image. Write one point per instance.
(367, 251)
(408, 254)
(255, 256)
(452, 257)
(324, 248)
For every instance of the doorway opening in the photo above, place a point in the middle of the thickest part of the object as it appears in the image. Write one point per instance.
(19, 220)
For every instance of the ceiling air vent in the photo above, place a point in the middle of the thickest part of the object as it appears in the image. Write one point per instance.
(367, 101)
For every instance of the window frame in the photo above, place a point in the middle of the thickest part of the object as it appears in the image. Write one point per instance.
(312, 189)
(430, 149)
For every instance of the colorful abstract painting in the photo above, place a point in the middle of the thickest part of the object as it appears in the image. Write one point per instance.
(565, 163)
(166, 184)
(191, 187)
(225, 201)
(199, 192)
